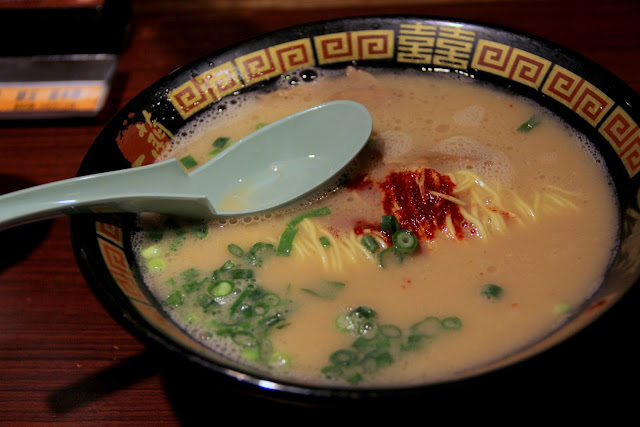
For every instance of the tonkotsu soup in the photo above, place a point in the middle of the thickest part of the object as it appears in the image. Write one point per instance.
(473, 224)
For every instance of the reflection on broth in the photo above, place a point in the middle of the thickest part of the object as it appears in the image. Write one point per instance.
(472, 224)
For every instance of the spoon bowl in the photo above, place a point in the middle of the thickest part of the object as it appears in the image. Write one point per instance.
(273, 166)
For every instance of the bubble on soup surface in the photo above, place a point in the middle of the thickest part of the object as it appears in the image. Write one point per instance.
(470, 116)
(465, 153)
(393, 143)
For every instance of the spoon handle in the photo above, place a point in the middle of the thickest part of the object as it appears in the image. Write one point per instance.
(159, 187)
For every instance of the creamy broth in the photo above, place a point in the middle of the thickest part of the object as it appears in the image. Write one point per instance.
(530, 212)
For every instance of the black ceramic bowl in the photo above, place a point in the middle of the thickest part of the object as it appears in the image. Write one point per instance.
(584, 94)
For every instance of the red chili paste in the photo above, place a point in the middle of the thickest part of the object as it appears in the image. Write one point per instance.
(409, 196)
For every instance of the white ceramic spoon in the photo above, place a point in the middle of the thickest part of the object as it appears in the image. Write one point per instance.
(271, 167)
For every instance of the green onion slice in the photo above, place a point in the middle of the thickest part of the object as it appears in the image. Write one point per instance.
(390, 257)
(192, 286)
(364, 312)
(219, 144)
(311, 214)
(188, 162)
(189, 274)
(221, 288)
(368, 329)
(375, 360)
(200, 229)
(431, 327)
(332, 371)
(370, 243)
(451, 323)
(391, 331)
(150, 251)
(175, 299)
(389, 223)
(405, 241)
(244, 339)
(259, 252)
(156, 264)
(529, 124)
(239, 302)
(270, 299)
(241, 273)
(491, 291)
(228, 265)
(286, 241)
(344, 358)
(235, 250)
(327, 289)
(176, 243)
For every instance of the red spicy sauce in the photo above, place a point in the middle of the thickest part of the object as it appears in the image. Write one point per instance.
(411, 197)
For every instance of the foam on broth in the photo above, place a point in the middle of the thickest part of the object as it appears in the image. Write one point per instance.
(544, 233)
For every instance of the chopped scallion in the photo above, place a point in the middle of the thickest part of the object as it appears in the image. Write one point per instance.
(221, 288)
(364, 312)
(271, 320)
(491, 291)
(200, 230)
(188, 162)
(241, 273)
(219, 145)
(327, 289)
(343, 358)
(286, 241)
(368, 329)
(391, 331)
(251, 353)
(151, 251)
(189, 274)
(235, 250)
(259, 252)
(244, 339)
(191, 286)
(270, 299)
(311, 214)
(228, 265)
(389, 223)
(451, 323)
(405, 241)
(280, 359)
(370, 243)
(389, 257)
(155, 264)
(176, 243)
(175, 299)
(237, 304)
(430, 327)
(332, 371)
(529, 124)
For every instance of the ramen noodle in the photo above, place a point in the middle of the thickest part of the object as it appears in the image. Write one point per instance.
(472, 224)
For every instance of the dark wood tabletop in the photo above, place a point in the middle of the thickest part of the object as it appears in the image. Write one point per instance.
(64, 359)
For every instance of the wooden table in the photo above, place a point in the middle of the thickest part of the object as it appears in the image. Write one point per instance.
(64, 359)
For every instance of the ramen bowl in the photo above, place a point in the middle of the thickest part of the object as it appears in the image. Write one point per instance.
(585, 96)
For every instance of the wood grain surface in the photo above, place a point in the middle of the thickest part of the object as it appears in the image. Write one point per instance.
(64, 359)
